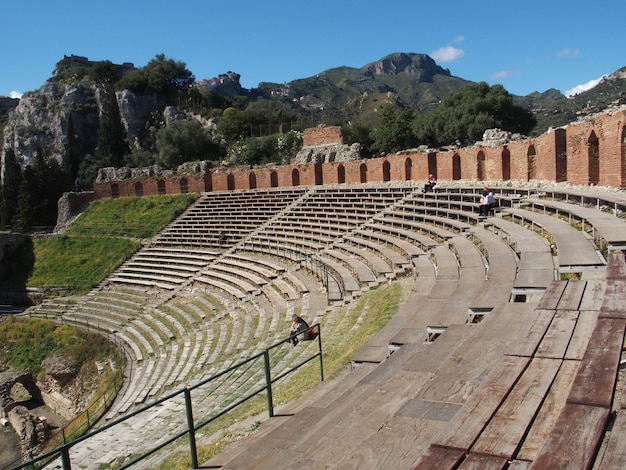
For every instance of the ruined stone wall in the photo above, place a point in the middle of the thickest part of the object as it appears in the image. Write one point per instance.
(592, 151)
(322, 135)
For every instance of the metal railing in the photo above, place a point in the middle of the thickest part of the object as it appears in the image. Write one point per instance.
(195, 421)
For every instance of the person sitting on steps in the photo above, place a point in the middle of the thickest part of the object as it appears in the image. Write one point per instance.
(298, 325)
(430, 184)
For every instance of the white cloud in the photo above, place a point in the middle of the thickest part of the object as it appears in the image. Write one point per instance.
(447, 54)
(568, 53)
(502, 74)
(15, 94)
(459, 38)
(583, 87)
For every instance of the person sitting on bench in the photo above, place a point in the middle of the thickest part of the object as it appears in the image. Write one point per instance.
(430, 184)
(487, 202)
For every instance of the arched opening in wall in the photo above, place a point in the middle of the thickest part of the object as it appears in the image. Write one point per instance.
(622, 151)
(386, 171)
(593, 155)
(252, 180)
(363, 172)
(274, 179)
(480, 166)
(295, 177)
(531, 161)
(138, 188)
(432, 164)
(161, 187)
(408, 166)
(115, 190)
(230, 182)
(184, 186)
(341, 174)
(506, 164)
(319, 179)
(456, 167)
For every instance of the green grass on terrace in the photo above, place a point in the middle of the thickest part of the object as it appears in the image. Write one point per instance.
(101, 238)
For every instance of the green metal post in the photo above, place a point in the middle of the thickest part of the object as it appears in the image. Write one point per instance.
(192, 430)
(319, 345)
(268, 381)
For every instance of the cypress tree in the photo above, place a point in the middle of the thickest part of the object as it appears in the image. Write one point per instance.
(11, 181)
(112, 144)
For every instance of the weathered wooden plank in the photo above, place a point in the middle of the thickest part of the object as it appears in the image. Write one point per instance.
(614, 303)
(528, 340)
(572, 295)
(574, 439)
(614, 457)
(483, 462)
(593, 295)
(511, 421)
(465, 428)
(549, 412)
(518, 465)
(440, 458)
(552, 295)
(582, 334)
(595, 381)
(557, 337)
(467, 366)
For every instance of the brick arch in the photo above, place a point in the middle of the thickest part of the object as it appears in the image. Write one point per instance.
(115, 190)
(273, 179)
(252, 180)
(456, 167)
(506, 164)
(341, 174)
(363, 172)
(622, 153)
(230, 182)
(593, 158)
(408, 166)
(138, 188)
(184, 186)
(295, 177)
(480, 165)
(161, 187)
(386, 170)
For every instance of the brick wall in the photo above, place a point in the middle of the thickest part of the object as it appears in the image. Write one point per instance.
(588, 152)
(322, 135)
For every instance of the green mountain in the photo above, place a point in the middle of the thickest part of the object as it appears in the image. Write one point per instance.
(407, 80)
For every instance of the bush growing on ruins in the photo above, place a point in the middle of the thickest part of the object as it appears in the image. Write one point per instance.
(464, 116)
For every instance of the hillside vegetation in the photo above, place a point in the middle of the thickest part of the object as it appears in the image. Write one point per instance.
(102, 238)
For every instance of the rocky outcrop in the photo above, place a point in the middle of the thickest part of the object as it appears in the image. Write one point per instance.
(135, 112)
(8, 379)
(40, 121)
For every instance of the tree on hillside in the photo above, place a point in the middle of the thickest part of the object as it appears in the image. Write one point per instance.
(11, 181)
(185, 141)
(42, 184)
(104, 72)
(464, 116)
(394, 131)
(163, 76)
(112, 144)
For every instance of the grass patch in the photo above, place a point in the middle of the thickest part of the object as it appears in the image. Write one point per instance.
(135, 217)
(105, 235)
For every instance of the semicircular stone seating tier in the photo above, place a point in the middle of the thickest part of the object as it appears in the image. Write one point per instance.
(195, 304)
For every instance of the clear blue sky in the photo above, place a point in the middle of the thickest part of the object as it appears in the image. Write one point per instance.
(525, 46)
